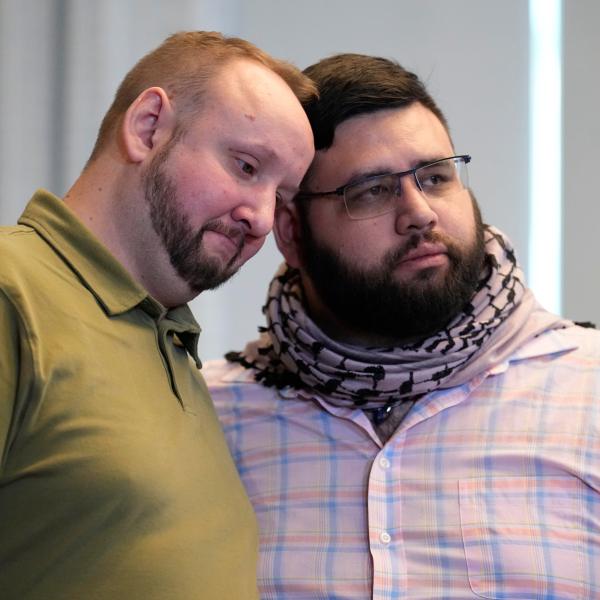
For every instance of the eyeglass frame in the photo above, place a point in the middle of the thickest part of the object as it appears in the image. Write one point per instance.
(341, 191)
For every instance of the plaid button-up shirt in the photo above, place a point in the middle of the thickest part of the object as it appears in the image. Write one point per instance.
(487, 490)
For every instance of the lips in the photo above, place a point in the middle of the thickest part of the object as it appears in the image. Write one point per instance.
(226, 242)
(423, 251)
(234, 235)
(235, 242)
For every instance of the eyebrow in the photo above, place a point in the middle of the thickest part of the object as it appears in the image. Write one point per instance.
(359, 176)
(268, 151)
(251, 146)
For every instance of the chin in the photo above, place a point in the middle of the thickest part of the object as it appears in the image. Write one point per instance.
(429, 275)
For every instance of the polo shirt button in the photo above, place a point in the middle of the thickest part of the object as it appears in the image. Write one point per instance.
(384, 463)
(385, 537)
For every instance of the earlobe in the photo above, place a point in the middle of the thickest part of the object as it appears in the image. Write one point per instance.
(148, 121)
(286, 229)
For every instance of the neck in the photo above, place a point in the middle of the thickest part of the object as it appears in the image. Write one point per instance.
(108, 199)
(95, 198)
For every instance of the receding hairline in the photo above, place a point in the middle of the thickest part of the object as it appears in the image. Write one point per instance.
(183, 66)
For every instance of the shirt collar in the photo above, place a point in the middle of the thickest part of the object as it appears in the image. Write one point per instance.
(100, 272)
(553, 341)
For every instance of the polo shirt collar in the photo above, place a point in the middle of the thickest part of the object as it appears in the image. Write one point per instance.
(100, 272)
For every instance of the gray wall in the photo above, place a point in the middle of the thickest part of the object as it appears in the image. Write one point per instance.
(581, 103)
(61, 60)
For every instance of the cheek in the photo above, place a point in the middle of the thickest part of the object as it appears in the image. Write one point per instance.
(203, 200)
(459, 222)
(363, 238)
(202, 194)
(356, 242)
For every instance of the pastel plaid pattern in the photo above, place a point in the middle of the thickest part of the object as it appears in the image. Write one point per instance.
(488, 490)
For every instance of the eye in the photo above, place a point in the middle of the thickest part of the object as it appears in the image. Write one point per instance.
(246, 167)
(379, 189)
(435, 179)
(439, 175)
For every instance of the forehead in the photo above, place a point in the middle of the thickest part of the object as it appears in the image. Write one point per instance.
(249, 108)
(383, 141)
(244, 80)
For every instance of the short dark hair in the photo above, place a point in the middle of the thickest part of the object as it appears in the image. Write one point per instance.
(353, 84)
(183, 66)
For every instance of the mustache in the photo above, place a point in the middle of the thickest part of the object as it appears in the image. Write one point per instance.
(399, 253)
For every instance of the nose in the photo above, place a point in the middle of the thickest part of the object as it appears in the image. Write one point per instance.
(256, 211)
(414, 213)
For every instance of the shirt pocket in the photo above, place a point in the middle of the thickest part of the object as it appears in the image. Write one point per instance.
(530, 537)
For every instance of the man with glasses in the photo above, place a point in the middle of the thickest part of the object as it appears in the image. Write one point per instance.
(411, 422)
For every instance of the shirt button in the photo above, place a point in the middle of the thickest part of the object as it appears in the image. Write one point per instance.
(384, 463)
(385, 537)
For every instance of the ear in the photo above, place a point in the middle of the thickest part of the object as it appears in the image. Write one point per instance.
(287, 231)
(148, 122)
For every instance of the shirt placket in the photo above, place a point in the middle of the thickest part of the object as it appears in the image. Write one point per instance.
(170, 346)
(384, 523)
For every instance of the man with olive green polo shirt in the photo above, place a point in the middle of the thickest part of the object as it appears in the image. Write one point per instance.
(115, 479)
(111, 450)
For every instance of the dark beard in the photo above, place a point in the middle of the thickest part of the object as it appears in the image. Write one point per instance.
(182, 243)
(371, 302)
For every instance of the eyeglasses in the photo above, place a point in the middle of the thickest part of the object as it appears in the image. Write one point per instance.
(378, 195)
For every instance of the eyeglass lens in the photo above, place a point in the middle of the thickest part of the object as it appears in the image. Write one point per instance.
(378, 195)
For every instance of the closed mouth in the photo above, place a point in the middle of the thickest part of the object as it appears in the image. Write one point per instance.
(424, 250)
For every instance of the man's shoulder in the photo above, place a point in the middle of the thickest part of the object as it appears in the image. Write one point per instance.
(19, 247)
(586, 338)
(12, 237)
(567, 342)
(560, 357)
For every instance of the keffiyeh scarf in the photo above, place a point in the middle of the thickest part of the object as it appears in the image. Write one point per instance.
(292, 350)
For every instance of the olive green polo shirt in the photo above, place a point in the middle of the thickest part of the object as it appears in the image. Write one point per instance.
(115, 479)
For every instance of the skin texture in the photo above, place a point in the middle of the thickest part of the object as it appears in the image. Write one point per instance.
(208, 188)
(393, 278)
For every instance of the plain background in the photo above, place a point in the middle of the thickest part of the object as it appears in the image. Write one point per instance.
(61, 61)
